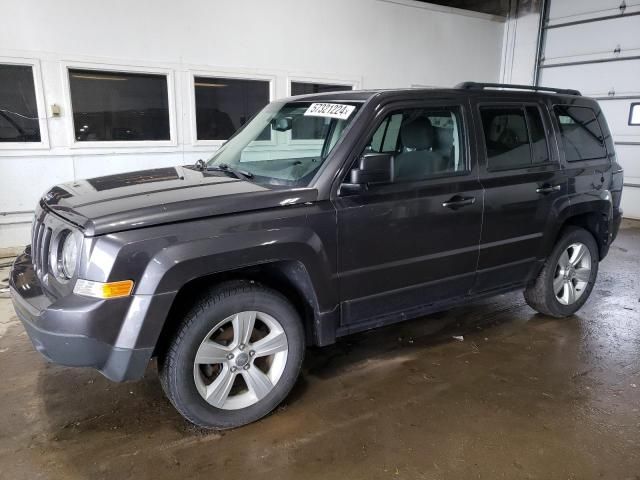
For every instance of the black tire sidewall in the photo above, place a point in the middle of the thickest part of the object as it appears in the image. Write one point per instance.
(571, 236)
(184, 393)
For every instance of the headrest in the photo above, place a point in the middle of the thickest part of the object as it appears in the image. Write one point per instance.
(417, 133)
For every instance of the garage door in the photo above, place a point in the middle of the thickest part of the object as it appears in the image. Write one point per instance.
(594, 46)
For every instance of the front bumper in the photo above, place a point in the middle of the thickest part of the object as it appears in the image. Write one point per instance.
(80, 331)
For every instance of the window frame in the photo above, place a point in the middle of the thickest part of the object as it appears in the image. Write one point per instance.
(123, 69)
(633, 104)
(353, 83)
(271, 79)
(36, 72)
(522, 106)
(560, 135)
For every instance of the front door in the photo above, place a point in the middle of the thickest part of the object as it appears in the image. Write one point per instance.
(408, 243)
(524, 186)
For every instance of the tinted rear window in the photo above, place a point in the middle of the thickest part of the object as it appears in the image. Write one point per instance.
(580, 133)
(506, 137)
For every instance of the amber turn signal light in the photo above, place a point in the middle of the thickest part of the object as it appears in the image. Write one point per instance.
(103, 290)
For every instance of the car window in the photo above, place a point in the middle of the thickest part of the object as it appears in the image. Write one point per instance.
(506, 137)
(424, 141)
(580, 133)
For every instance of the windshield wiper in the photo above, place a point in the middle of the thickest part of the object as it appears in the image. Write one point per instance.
(223, 167)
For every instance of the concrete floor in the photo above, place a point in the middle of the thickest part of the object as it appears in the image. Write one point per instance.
(523, 396)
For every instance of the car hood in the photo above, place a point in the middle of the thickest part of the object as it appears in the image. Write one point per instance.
(163, 195)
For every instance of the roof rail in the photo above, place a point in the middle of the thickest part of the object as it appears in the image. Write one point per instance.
(508, 86)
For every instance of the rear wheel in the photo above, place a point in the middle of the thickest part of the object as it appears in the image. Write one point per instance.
(567, 278)
(235, 357)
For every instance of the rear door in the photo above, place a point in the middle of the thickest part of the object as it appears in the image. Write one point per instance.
(524, 188)
(409, 243)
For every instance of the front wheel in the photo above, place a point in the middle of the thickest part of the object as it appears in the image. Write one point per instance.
(235, 357)
(567, 278)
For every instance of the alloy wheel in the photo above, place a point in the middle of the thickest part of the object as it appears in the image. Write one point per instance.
(240, 360)
(572, 274)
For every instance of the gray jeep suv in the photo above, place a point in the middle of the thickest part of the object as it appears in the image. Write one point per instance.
(397, 203)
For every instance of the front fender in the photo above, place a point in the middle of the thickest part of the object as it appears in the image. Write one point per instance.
(176, 265)
(162, 259)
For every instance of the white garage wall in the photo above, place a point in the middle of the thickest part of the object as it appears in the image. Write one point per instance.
(367, 43)
(520, 43)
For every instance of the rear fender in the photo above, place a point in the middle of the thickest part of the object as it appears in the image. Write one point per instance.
(595, 215)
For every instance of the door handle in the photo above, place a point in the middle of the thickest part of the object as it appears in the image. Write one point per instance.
(457, 202)
(548, 189)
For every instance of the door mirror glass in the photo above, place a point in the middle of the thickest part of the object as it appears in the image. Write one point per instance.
(282, 124)
(373, 168)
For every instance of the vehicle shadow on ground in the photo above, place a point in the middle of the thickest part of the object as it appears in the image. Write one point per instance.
(420, 333)
(78, 401)
(87, 416)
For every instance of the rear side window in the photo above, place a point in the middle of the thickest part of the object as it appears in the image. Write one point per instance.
(514, 137)
(580, 133)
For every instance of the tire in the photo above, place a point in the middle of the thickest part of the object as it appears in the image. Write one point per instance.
(550, 294)
(215, 328)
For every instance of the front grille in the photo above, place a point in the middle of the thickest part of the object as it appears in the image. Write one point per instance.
(48, 228)
(40, 244)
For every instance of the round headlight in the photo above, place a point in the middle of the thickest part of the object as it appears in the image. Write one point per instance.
(68, 258)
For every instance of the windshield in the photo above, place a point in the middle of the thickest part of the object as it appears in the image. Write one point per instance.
(285, 143)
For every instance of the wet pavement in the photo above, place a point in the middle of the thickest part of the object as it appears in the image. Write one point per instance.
(521, 396)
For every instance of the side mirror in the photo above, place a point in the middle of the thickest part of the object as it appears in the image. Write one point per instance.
(374, 168)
